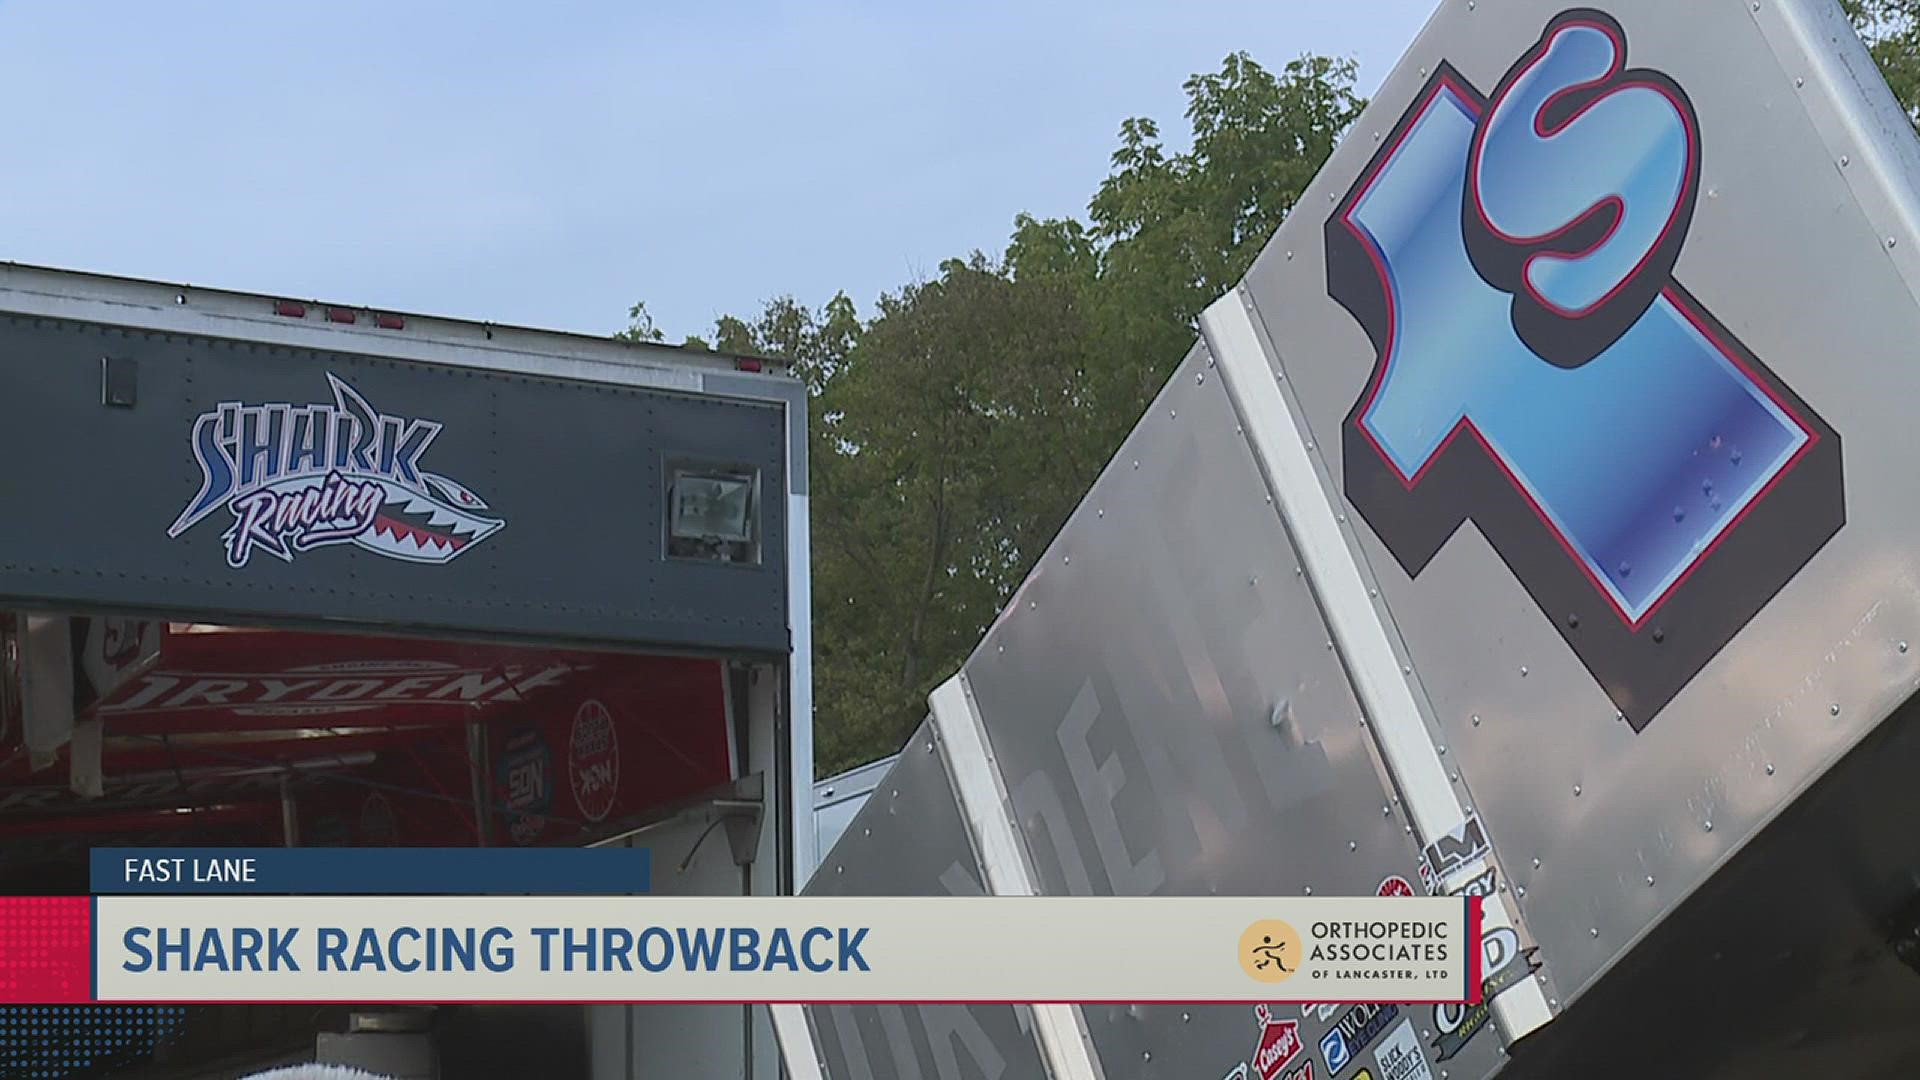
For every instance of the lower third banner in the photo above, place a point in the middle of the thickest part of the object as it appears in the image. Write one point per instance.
(783, 949)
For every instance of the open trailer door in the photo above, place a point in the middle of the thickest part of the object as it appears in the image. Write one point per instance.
(1536, 520)
(281, 572)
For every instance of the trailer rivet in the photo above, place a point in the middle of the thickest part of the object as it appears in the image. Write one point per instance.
(1310, 446)
(1649, 881)
(1351, 846)
(1000, 648)
(866, 832)
(1536, 862)
(1254, 581)
(1146, 1055)
(1443, 751)
(1173, 414)
(1769, 768)
(1296, 570)
(1576, 791)
(1376, 136)
(1289, 256)
(1184, 1017)
(1329, 646)
(1476, 719)
(1309, 890)
(1426, 1034)
(1593, 931)
(1756, 5)
(1845, 161)
(1423, 72)
(1521, 891)
(1341, 518)
(1373, 594)
(1834, 709)
(1903, 646)
(1523, 671)
(1100, 513)
(1066, 560)
(1554, 1003)
(1455, 777)
(1409, 830)
(1892, 240)
(180, 298)
(1136, 463)
(1618, 715)
(1199, 378)
(1386, 811)
(1407, 669)
(1709, 826)
(1396, 800)
(1799, 82)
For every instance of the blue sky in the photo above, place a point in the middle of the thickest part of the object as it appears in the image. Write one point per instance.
(547, 164)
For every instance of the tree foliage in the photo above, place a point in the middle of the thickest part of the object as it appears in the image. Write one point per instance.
(955, 428)
(1891, 29)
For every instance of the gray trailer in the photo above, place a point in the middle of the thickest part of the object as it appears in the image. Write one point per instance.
(1536, 519)
(285, 571)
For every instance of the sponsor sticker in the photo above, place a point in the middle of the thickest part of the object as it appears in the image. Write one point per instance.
(1400, 1057)
(1483, 886)
(1452, 852)
(593, 760)
(1279, 1044)
(1355, 1029)
(1395, 885)
(1507, 965)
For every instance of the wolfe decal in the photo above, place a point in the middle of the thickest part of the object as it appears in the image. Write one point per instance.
(299, 477)
(1644, 475)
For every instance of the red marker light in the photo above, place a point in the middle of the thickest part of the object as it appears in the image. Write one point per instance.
(389, 322)
(747, 365)
(291, 309)
(341, 315)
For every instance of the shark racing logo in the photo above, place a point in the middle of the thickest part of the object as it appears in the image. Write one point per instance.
(1650, 482)
(298, 477)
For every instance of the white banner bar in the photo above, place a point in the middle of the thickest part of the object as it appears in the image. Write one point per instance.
(785, 949)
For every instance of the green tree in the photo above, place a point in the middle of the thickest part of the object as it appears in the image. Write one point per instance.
(1891, 29)
(955, 429)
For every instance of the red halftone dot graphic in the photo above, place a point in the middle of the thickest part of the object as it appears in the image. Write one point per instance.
(45, 949)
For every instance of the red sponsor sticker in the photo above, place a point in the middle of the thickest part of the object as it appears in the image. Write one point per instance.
(1395, 885)
(1279, 1044)
(593, 761)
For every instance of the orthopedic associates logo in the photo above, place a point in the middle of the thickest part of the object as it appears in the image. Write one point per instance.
(1270, 951)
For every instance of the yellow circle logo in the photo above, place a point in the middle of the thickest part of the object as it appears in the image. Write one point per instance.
(1270, 951)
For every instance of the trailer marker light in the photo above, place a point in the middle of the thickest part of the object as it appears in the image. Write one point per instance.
(744, 364)
(341, 315)
(290, 308)
(389, 322)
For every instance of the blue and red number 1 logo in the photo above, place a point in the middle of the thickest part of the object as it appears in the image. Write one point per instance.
(1540, 371)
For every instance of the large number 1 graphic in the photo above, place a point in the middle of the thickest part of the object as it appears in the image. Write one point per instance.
(1539, 370)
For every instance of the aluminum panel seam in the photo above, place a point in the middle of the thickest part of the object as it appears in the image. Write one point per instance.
(796, 1043)
(986, 809)
(1397, 724)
